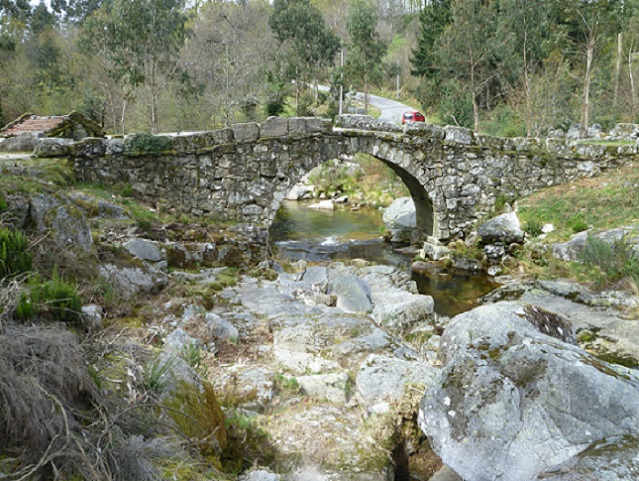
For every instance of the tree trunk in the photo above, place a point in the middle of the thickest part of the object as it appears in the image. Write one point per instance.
(585, 106)
(633, 94)
(618, 66)
(123, 114)
(475, 104)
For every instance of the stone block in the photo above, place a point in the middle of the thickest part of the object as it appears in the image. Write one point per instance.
(223, 136)
(50, 147)
(89, 147)
(246, 132)
(424, 130)
(308, 125)
(353, 121)
(458, 135)
(20, 143)
(114, 146)
(274, 127)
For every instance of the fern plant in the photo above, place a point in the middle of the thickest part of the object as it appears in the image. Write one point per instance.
(14, 257)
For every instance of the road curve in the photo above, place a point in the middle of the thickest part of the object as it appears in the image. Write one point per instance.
(392, 110)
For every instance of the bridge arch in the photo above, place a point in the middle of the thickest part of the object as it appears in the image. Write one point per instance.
(408, 172)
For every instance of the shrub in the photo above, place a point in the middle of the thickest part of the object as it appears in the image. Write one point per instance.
(149, 144)
(57, 298)
(615, 261)
(14, 257)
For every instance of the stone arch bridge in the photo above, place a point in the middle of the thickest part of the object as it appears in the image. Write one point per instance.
(243, 173)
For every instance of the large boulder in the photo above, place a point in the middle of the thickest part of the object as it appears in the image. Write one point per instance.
(63, 220)
(512, 402)
(400, 219)
(504, 228)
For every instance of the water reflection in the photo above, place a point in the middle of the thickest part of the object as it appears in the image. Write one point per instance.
(453, 291)
(315, 235)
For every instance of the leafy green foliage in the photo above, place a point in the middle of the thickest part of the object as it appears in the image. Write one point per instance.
(14, 257)
(56, 298)
(148, 144)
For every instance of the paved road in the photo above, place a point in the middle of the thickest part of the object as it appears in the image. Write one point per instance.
(392, 110)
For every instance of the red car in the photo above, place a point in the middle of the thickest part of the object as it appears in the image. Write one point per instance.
(412, 116)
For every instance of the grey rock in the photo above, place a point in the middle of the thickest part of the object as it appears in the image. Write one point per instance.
(59, 216)
(131, 281)
(331, 387)
(400, 219)
(52, 147)
(381, 379)
(20, 143)
(260, 475)
(246, 132)
(178, 340)
(316, 276)
(353, 294)
(445, 474)
(143, 249)
(274, 127)
(570, 250)
(300, 192)
(459, 135)
(466, 264)
(503, 228)
(92, 315)
(611, 459)
(434, 251)
(628, 132)
(512, 402)
(397, 310)
(252, 386)
(219, 327)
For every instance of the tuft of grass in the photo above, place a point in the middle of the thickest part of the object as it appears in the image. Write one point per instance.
(57, 298)
(533, 227)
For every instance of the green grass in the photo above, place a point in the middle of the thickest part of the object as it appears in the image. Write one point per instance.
(605, 202)
(32, 175)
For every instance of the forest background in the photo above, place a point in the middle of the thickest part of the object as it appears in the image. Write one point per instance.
(504, 67)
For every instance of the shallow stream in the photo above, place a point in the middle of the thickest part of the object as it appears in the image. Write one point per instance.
(300, 232)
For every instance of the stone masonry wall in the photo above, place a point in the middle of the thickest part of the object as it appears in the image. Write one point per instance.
(242, 173)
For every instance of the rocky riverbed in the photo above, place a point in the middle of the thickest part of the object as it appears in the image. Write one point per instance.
(335, 371)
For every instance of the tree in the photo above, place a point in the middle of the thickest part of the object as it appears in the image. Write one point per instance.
(366, 50)
(302, 27)
(526, 66)
(433, 19)
(141, 40)
(468, 46)
(228, 54)
(590, 24)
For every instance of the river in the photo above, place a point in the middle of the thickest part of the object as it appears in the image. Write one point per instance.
(300, 232)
